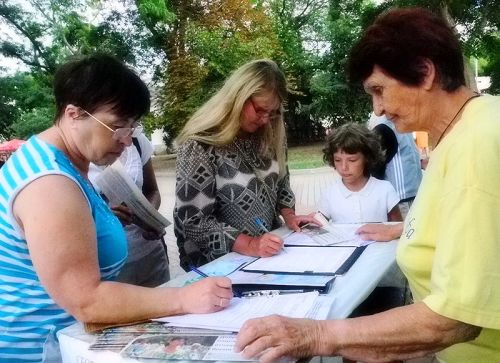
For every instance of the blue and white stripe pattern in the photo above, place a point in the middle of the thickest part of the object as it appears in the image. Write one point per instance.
(28, 316)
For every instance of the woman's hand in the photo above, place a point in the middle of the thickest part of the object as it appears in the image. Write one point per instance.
(207, 295)
(278, 336)
(123, 213)
(294, 221)
(266, 245)
(380, 232)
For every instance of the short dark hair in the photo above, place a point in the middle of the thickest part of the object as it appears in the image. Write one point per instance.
(353, 138)
(100, 80)
(400, 40)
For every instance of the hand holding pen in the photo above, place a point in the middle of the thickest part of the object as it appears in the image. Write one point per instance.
(207, 295)
(267, 244)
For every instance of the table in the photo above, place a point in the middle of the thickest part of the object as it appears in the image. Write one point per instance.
(349, 291)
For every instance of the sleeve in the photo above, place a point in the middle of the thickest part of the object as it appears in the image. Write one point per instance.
(146, 148)
(286, 197)
(197, 227)
(391, 195)
(465, 280)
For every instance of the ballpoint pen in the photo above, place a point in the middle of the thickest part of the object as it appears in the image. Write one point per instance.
(261, 224)
(199, 272)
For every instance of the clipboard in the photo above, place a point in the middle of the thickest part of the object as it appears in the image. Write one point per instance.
(308, 260)
(284, 284)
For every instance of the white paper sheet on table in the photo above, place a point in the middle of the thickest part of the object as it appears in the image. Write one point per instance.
(303, 260)
(338, 234)
(242, 309)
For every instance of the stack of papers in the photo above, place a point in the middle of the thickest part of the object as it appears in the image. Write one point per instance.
(241, 309)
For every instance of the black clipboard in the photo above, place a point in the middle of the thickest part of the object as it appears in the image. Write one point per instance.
(342, 269)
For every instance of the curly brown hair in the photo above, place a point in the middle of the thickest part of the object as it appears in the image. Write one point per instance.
(352, 138)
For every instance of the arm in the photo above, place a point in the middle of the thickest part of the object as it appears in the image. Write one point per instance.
(380, 232)
(60, 234)
(402, 333)
(150, 186)
(394, 215)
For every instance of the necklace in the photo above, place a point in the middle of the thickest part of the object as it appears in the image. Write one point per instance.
(454, 117)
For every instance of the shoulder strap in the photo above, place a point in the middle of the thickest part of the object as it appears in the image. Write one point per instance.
(135, 141)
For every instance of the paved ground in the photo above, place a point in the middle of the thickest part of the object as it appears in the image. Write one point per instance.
(307, 185)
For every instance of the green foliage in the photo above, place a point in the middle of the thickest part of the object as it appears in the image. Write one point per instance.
(190, 47)
(32, 122)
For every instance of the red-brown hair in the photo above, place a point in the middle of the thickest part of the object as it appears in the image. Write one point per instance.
(400, 40)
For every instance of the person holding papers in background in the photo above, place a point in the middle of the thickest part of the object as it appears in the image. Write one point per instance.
(410, 63)
(232, 178)
(61, 246)
(147, 263)
(357, 197)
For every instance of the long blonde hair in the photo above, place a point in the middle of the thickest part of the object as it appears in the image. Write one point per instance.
(217, 122)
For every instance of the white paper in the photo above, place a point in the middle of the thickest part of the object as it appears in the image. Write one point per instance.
(119, 188)
(337, 234)
(242, 309)
(319, 260)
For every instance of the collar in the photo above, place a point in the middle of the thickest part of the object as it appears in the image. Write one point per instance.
(364, 192)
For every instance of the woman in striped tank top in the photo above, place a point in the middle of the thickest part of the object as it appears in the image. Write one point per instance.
(60, 244)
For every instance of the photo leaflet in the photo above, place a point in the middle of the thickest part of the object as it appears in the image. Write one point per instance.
(119, 188)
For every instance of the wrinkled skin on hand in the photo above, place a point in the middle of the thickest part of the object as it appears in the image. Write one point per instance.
(276, 336)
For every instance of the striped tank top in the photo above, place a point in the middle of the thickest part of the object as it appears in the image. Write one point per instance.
(29, 318)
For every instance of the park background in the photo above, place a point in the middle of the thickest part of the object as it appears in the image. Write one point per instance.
(185, 49)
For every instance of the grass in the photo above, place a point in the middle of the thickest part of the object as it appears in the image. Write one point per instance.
(299, 157)
(306, 156)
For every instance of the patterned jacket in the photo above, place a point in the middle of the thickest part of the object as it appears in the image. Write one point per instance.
(220, 191)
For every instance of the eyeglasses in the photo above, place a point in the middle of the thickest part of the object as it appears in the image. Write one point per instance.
(273, 115)
(119, 133)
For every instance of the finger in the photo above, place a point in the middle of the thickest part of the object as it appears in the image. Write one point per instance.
(273, 248)
(273, 237)
(272, 355)
(223, 302)
(223, 282)
(257, 347)
(248, 333)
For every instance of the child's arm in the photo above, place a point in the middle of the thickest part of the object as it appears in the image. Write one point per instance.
(394, 214)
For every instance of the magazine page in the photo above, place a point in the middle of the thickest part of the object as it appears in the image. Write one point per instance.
(183, 347)
(119, 188)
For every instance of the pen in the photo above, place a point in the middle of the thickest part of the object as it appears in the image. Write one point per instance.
(261, 224)
(199, 272)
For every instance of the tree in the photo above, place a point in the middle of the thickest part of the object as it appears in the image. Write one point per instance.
(47, 32)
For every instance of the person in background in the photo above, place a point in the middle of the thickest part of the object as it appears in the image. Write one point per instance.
(357, 197)
(410, 63)
(61, 244)
(231, 170)
(402, 166)
(147, 261)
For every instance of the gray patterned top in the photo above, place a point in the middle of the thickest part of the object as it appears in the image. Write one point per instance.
(219, 195)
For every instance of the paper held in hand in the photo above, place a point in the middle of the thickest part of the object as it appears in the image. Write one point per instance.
(119, 188)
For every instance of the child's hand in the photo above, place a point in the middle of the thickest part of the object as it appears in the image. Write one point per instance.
(294, 222)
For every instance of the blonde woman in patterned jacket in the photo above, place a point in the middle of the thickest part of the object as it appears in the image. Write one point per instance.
(231, 170)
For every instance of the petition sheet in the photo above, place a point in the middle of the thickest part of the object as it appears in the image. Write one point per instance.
(242, 309)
